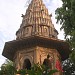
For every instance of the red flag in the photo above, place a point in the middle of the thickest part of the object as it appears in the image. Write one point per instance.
(58, 66)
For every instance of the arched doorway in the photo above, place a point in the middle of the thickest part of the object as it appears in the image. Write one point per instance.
(27, 64)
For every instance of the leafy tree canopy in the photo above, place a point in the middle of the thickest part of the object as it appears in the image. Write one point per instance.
(65, 15)
(7, 68)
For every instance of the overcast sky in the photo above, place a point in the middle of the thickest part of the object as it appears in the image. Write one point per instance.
(10, 19)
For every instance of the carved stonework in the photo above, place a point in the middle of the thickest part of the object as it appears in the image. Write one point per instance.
(22, 55)
(36, 21)
(37, 55)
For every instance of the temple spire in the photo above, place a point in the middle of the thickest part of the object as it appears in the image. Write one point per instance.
(37, 21)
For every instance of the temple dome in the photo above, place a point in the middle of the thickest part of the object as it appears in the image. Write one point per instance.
(36, 22)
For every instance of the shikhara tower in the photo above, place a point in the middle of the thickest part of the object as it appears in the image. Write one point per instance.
(36, 39)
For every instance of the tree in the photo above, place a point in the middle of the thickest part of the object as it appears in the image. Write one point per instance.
(68, 67)
(7, 68)
(65, 15)
(37, 69)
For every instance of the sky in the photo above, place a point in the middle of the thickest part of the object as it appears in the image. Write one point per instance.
(10, 19)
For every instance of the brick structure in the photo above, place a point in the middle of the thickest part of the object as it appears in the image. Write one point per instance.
(36, 39)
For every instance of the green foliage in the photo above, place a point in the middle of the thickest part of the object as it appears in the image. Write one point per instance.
(22, 72)
(7, 68)
(72, 56)
(65, 15)
(37, 70)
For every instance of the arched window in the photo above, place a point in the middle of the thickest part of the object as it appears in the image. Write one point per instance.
(27, 64)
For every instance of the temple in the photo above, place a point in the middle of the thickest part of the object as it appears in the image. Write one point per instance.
(36, 39)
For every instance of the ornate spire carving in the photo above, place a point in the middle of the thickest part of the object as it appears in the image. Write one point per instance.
(36, 21)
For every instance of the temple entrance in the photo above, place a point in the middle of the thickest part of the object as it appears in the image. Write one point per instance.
(27, 64)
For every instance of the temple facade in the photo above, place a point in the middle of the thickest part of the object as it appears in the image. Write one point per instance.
(36, 39)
